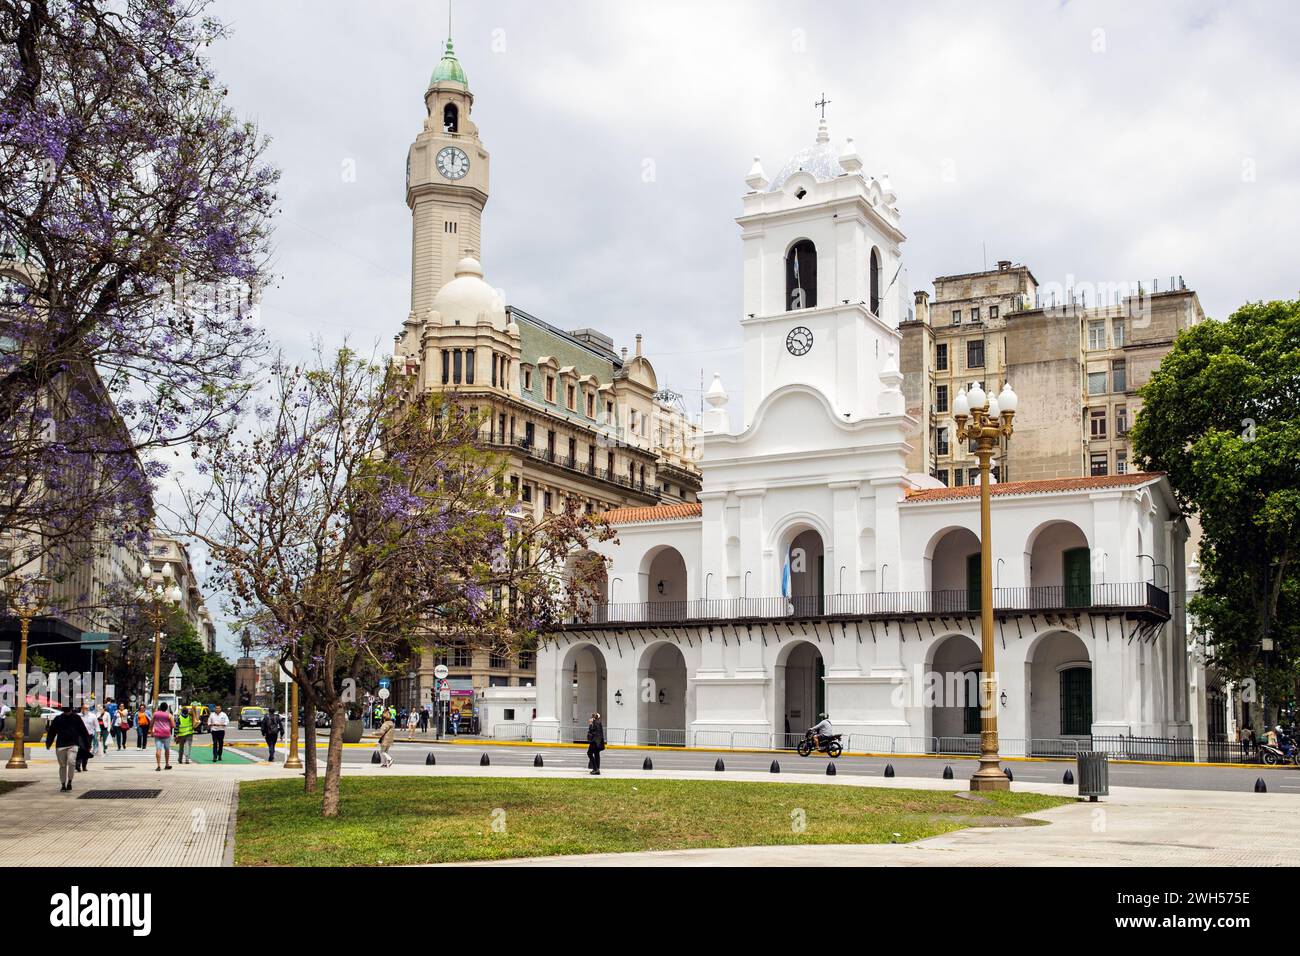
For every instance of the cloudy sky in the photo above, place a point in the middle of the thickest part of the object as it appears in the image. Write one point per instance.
(1107, 142)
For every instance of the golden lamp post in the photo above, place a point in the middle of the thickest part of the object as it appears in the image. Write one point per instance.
(28, 595)
(983, 420)
(293, 762)
(158, 597)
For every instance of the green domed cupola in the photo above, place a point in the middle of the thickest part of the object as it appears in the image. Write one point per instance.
(448, 69)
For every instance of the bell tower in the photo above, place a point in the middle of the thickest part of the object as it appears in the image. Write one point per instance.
(446, 183)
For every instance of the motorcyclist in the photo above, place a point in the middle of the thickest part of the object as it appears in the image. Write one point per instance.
(822, 731)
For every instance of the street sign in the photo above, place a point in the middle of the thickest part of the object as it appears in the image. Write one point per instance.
(383, 693)
(444, 696)
(440, 672)
(94, 641)
(175, 672)
(173, 683)
(286, 672)
(385, 683)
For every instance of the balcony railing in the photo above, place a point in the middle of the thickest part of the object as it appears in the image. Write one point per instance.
(569, 463)
(1134, 596)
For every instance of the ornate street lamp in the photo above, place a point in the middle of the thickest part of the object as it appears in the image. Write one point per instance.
(28, 595)
(158, 597)
(984, 420)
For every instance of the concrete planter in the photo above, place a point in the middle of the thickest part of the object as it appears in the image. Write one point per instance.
(32, 730)
(352, 730)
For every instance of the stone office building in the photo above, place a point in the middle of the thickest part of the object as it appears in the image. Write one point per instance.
(576, 419)
(1076, 362)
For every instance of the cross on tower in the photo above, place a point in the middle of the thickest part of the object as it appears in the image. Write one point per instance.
(822, 103)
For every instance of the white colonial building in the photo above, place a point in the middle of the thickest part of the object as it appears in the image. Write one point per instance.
(816, 574)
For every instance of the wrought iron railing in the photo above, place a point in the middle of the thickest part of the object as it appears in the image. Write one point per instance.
(1138, 595)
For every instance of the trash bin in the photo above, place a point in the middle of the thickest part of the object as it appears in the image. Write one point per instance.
(1093, 774)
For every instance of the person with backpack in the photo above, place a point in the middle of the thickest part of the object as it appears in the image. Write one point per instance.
(161, 726)
(185, 735)
(270, 727)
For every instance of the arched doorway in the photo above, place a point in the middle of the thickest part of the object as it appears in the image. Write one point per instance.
(585, 682)
(1060, 687)
(953, 570)
(665, 585)
(803, 574)
(955, 670)
(800, 690)
(662, 691)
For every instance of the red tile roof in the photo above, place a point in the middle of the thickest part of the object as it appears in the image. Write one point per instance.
(652, 513)
(1046, 486)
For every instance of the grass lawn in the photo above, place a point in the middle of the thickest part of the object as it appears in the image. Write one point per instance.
(445, 819)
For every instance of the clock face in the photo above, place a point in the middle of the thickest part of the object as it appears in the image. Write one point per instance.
(799, 341)
(452, 162)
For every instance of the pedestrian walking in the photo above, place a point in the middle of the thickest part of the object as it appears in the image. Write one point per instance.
(68, 735)
(387, 730)
(161, 726)
(218, 721)
(595, 743)
(142, 727)
(121, 724)
(185, 735)
(424, 719)
(412, 722)
(92, 729)
(455, 723)
(103, 724)
(270, 726)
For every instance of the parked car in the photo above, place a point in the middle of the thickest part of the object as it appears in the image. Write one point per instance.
(251, 717)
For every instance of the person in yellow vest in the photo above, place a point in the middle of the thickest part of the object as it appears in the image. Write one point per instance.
(185, 735)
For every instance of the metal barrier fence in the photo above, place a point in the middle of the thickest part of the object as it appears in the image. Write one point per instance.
(1117, 747)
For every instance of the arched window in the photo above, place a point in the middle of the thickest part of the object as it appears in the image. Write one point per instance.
(875, 281)
(451, 118)
(801, 276)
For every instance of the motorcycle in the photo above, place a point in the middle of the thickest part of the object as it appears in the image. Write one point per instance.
(1276, 755)
(829, 745)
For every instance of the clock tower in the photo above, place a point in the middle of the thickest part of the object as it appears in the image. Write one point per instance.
(446, 183)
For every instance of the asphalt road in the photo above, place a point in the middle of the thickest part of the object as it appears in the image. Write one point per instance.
(1280, 780)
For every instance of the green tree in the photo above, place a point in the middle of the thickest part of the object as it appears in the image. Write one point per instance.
(1222, 418)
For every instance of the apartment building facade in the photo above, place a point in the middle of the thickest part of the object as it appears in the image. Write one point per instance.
(1077, 361)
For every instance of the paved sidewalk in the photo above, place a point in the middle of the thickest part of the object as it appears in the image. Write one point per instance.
(185, 825)
(188, 823)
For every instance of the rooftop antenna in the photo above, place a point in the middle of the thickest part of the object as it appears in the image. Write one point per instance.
(448, 19)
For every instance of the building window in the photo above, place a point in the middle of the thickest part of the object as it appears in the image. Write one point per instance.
(973, 476)
(528, 492)
(1121, 420)
(1119, 375)
(609, 413)
(456, 366)
(941, 357)
(529, 434)
(526, 662)
(993, 312)
(956, 316)
(460, 657)
(974, 315)
(801, 276)
(446, 367)
(528, 380)
(632, 420)
(469, 367)
(450, 118)
(1076, 701)
(941, 474)
(591, 406)
(975, 353)
(958, 477)
(941, 442)
(498, 661)
(571, 398)
(546, 501)
(875, 282)
(1096, 336)
(550, 388)
(1097, 464)
(1118, 330)
(941, 398)
(1096, 383)
(1121, 463)
(508, 714)
(1097, 423)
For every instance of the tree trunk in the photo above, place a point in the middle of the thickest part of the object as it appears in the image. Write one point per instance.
(334, 760)
(309, 744)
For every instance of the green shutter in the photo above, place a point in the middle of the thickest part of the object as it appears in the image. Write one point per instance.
(1078, 577)
(973, 582)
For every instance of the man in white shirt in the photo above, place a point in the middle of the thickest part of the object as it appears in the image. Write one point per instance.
(218, 720)
(823, 731)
